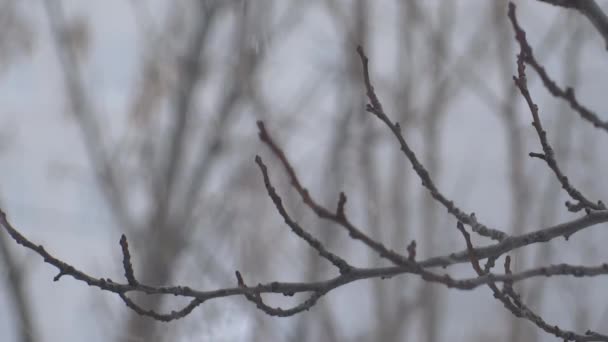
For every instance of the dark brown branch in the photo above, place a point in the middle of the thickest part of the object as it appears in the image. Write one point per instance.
(340, 263)
(565, 230)
(548, 155)
(173, 315)
(512, 301)
(289, 288)
(493, 251)
(126, 261)
(474, 260)
(375, 107)
(566, 94)
(339, 217)
(256, 298)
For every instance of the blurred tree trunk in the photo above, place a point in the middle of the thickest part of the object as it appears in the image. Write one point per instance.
(440, 36)
(17, 289)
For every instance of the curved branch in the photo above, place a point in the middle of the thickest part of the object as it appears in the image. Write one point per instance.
(375, 107)
(548, 155)
(318, 288)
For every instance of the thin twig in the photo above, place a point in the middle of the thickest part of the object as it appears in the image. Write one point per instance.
(290, 288)
(568, 93)
(512, 301)
(375, 107)
(340, 263)
(591, 10)
(548, 155)
(339, 216)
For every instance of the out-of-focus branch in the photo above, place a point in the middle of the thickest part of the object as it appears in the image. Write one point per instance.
(210, 150)
(17, 292)
(189, 74)
(591, 10)
(80, 107)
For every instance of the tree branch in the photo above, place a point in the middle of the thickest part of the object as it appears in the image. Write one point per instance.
(591, 10)
(548, 155)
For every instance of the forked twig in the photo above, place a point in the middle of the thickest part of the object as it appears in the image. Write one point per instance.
(525, 56)
(375, 107)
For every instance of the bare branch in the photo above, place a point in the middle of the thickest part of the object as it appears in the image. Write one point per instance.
(375, 107)
(548, 156)
(289, 288)
(339, 217)
(591, 10)
(81, 108)
(511, 243)
(566, 94)
(256, 298)
(340, 263)
(512, 301)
